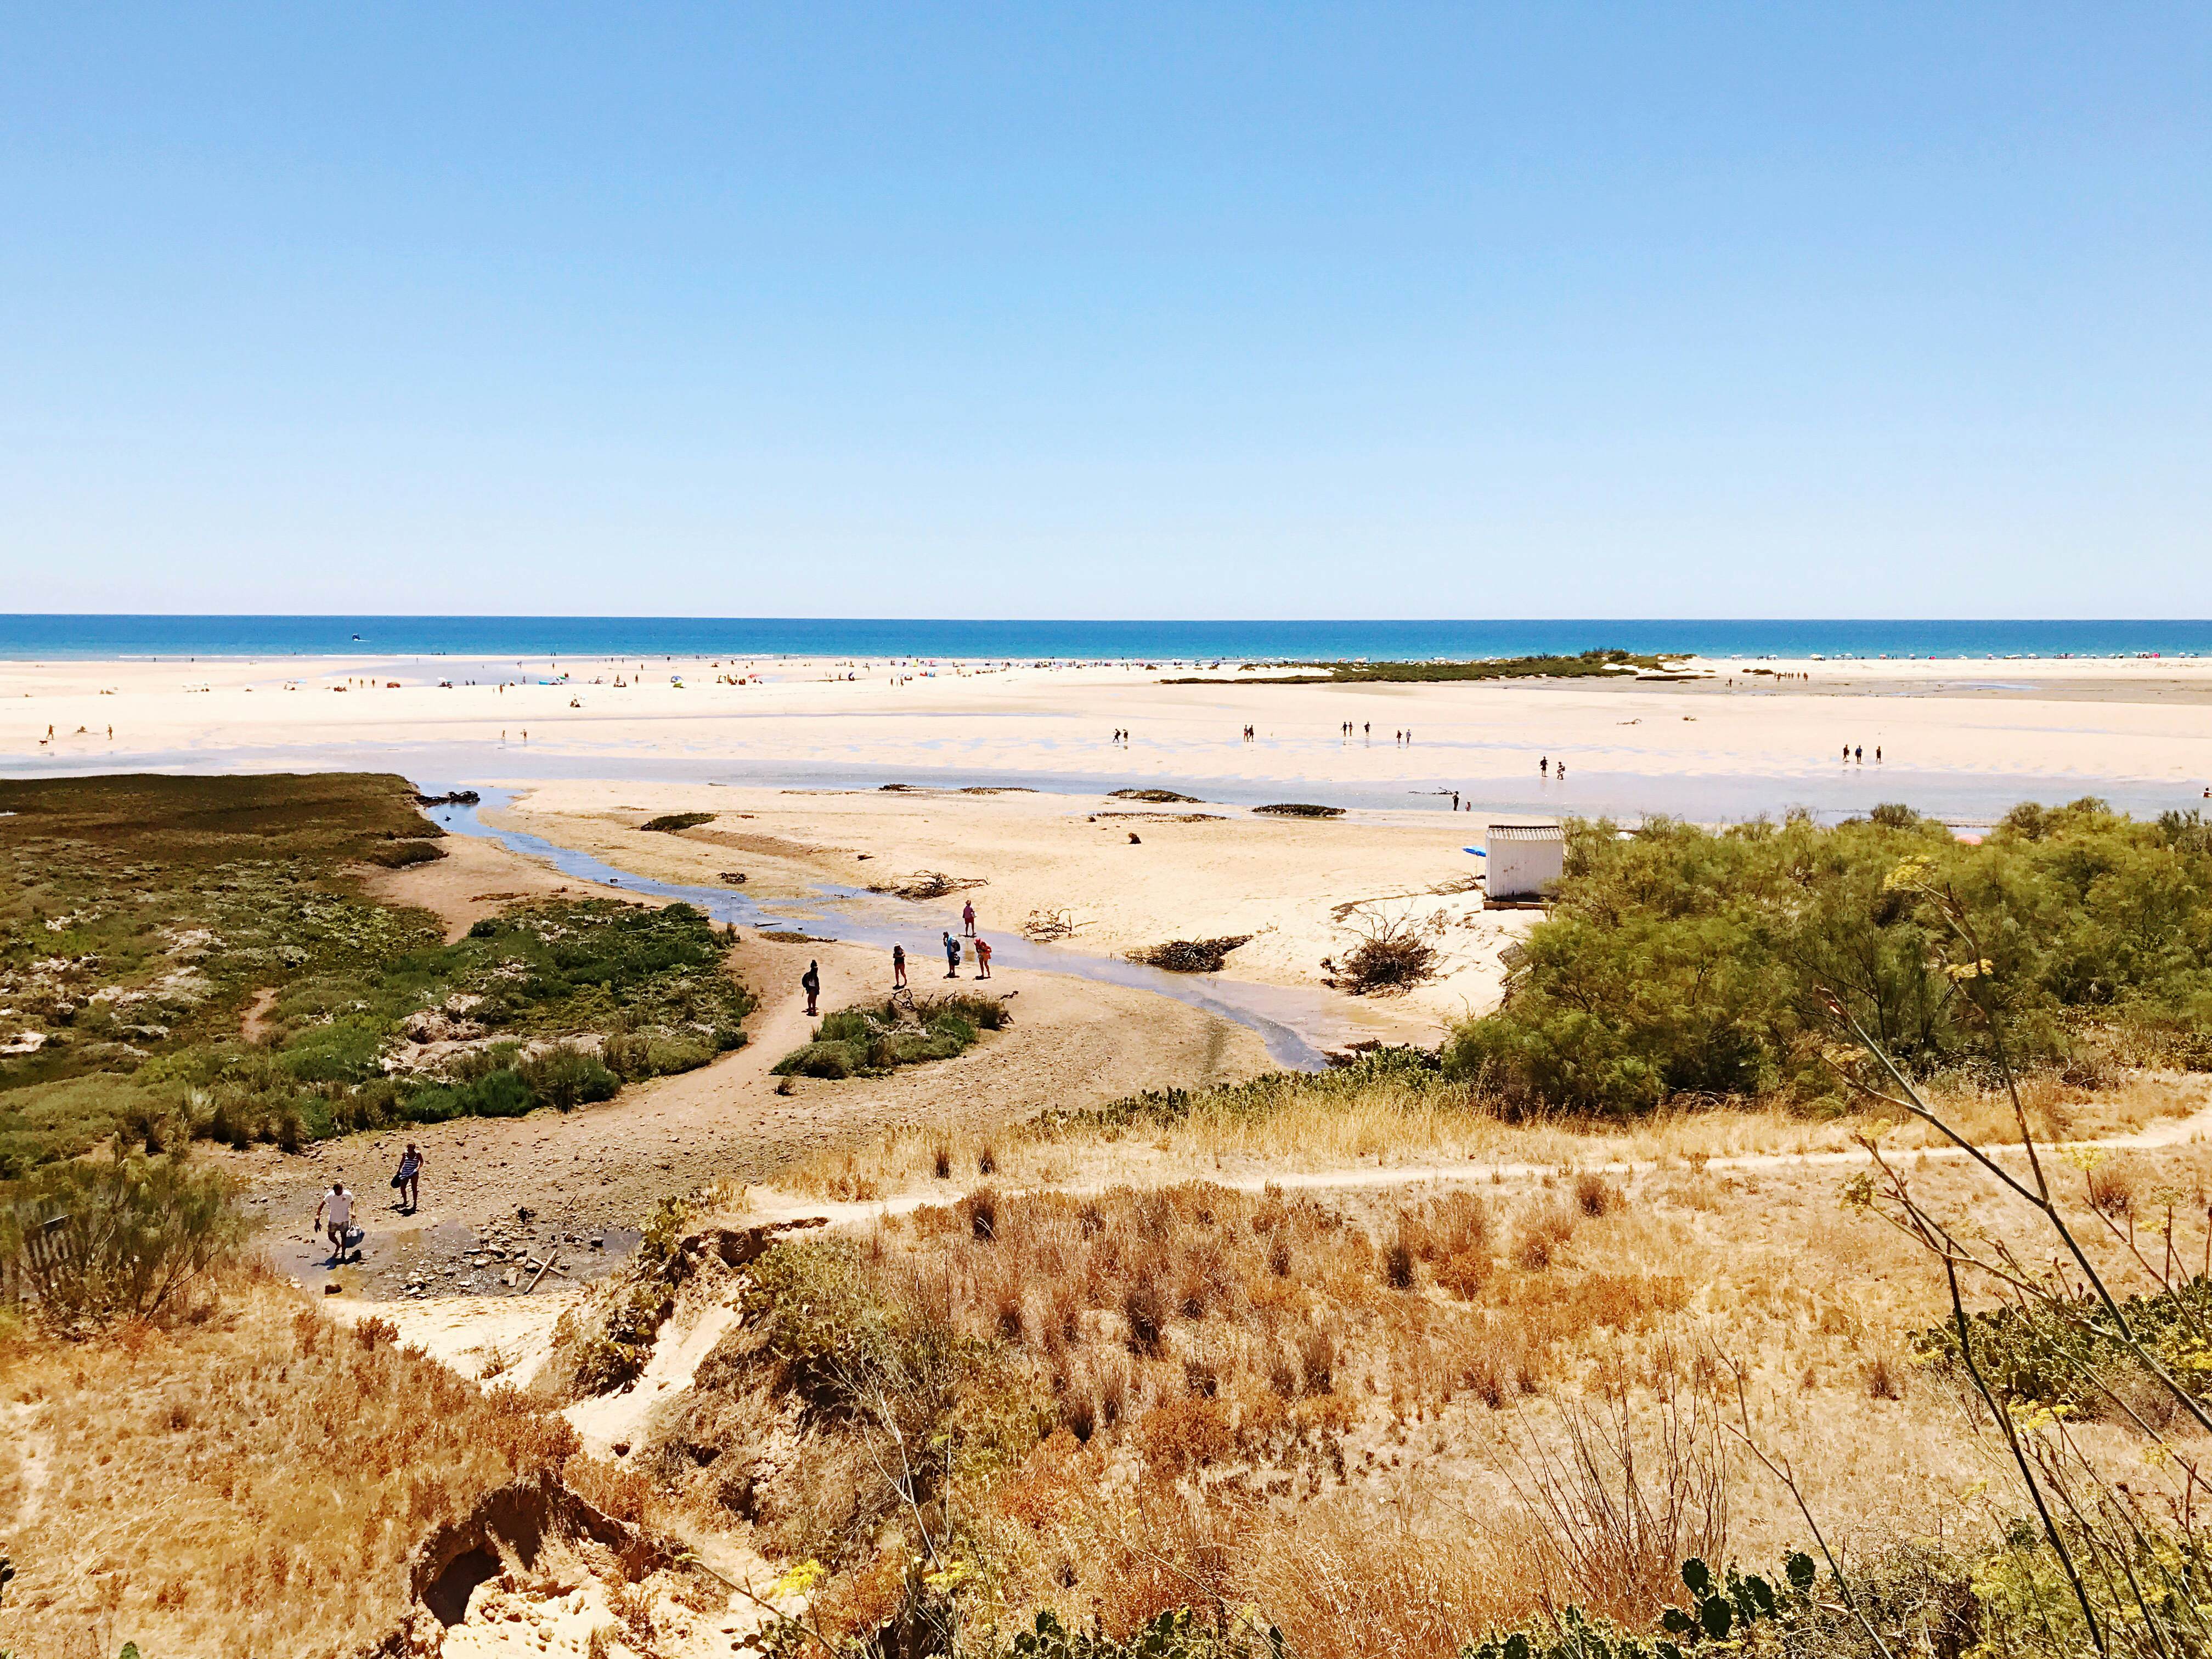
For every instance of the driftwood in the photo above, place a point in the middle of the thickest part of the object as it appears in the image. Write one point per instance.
(927, 884)
(1191, 956)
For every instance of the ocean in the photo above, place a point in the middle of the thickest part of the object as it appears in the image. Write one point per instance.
(38, 637)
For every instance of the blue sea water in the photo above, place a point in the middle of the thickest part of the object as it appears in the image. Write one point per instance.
(38, 637)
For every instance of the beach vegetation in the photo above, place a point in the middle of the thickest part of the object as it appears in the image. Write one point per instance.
(869, 1041)
(190, 957)
(671, 822)
(1679, 963)
(1561, 666)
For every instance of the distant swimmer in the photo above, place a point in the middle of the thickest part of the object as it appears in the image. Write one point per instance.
(1545, 764)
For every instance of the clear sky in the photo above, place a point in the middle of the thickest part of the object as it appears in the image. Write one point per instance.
(1126, 311)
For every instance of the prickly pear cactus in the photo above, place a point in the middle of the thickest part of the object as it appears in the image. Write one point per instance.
(1734, 1607)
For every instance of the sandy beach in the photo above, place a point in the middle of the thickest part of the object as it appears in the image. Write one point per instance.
(1954, 737)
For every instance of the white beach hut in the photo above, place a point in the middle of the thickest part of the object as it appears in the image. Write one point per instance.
(1521, 859)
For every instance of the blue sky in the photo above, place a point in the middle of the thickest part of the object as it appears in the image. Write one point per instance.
(1291, 311)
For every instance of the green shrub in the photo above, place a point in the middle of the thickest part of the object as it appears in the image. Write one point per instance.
(1684, 963)
(435, 1104)
(1177, 1633)
(566, 1077)
(502, 1093)
(824, 1059)
(674, 820)
(399, 854)
(497, 1094)
(869, 1042)
(344, 1051)
(635, 1055)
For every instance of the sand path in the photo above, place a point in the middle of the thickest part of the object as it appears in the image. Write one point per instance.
(772, 1206)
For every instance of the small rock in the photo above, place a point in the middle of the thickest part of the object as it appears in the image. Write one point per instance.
(331, 1288)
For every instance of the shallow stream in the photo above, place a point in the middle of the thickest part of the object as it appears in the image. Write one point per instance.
(1295, 1025)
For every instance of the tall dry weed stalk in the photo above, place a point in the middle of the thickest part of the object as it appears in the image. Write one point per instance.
(1619, 1507)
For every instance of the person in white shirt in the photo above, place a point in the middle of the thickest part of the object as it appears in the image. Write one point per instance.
(334, 1215)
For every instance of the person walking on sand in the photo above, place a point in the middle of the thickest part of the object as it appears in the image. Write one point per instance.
(898, 967)
(408, 1179)
(334, 1216)
(982, 959)
(967, 920)
(952, 957)
(811, 982)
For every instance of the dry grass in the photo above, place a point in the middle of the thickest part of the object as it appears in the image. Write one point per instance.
(1394, 1418)
(1391, 1418)
(1291, 1126)
(251, 1484)
(1237, 1389)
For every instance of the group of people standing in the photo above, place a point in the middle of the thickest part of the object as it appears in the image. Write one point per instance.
(1857, 755)
(955, 953)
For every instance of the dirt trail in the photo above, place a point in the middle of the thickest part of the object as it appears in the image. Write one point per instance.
(602, 1169)
(772, 1206)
